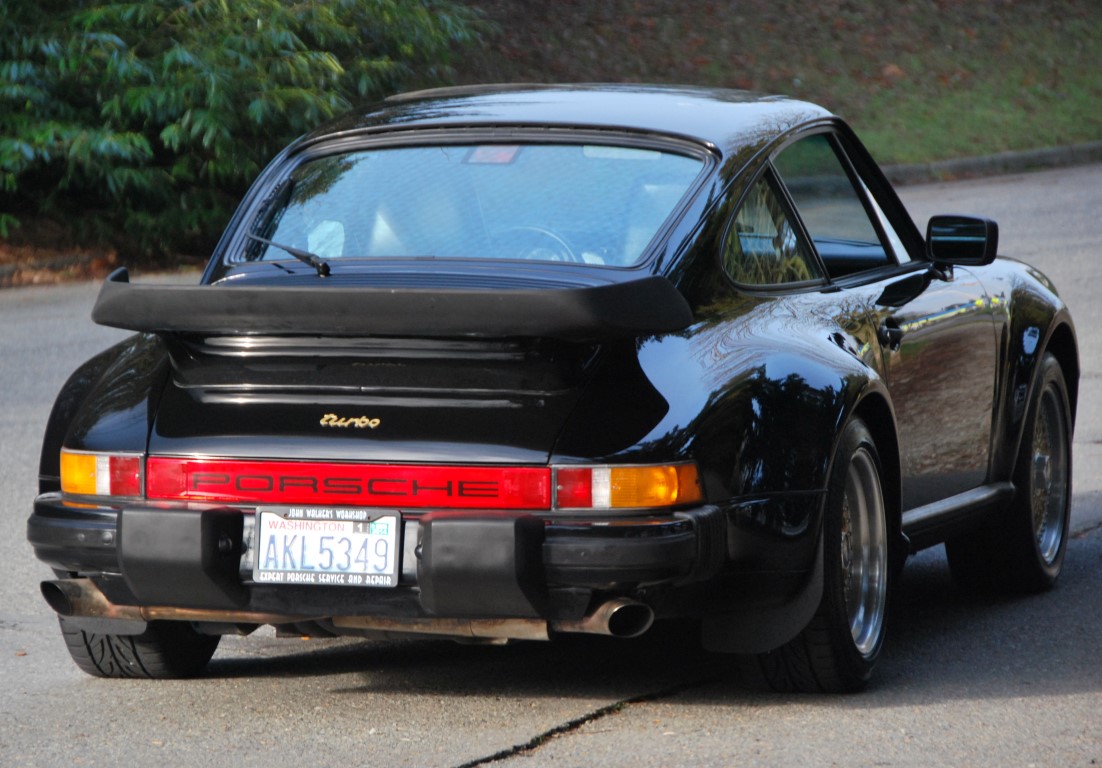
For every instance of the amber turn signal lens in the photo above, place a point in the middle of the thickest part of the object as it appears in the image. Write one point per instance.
(653, 486)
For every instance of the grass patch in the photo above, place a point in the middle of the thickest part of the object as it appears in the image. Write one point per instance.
(1039, 86)
(921, 80)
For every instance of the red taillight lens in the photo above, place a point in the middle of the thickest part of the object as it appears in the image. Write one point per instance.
(574, 488)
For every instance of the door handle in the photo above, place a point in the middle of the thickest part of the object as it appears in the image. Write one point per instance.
(890, 334)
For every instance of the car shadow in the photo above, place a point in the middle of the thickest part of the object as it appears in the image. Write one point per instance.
(944, 642)
(572, 665)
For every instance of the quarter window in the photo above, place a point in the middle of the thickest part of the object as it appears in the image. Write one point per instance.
(762, 247)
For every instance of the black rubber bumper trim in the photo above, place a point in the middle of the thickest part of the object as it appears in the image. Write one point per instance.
(481, 565)
(593, 554)
(70, 538)
(678, 548)
(183, 557)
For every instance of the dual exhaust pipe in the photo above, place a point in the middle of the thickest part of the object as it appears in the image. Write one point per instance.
(619, 617)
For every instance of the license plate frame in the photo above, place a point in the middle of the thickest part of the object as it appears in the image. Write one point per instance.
(327, 546)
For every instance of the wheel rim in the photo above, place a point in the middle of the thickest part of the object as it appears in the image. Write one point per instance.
(864, 552)
(1049, 491)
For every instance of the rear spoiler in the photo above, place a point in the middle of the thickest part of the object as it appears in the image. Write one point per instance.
(617, 310)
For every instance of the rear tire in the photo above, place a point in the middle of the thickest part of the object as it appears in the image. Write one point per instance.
(167, 649)
(838, 649)
(1023, 550)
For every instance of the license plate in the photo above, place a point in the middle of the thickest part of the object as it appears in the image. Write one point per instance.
(327, 546)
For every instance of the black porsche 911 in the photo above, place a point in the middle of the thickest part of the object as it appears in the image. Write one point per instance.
(506, 362)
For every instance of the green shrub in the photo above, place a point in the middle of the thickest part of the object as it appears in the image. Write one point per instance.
(146, 120)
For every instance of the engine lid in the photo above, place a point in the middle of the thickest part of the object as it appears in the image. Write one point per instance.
(369, 399)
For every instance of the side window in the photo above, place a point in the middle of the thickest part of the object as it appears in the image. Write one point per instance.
(762, 247)
(832, 209)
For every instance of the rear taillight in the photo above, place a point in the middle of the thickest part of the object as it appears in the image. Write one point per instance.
(627, 487)
(248, 482)
(88, 473)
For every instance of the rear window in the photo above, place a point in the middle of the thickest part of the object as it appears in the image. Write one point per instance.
(582, 203)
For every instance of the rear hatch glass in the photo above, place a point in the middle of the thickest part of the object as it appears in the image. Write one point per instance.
(582, 203)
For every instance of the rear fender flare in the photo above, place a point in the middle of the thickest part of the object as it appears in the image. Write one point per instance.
(66, 405)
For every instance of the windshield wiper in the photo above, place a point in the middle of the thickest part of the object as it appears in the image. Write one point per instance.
(306, 257)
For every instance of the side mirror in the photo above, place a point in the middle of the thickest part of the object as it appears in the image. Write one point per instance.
(966, 241)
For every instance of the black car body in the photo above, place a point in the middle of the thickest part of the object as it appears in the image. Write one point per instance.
(502, 362)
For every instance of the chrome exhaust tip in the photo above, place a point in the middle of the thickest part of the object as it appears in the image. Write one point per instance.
(620, 617)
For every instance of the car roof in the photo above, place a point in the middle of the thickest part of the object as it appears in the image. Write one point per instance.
(727, 120)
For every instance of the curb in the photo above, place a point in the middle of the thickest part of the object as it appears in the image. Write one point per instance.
(55, 264)
(994, 165)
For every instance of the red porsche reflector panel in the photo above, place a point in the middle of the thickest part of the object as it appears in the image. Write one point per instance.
(362, 485)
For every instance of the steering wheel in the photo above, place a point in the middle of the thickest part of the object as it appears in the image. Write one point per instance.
(537, 244)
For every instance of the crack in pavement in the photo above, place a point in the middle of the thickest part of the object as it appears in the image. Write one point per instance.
(1084, 532)
(572, 725)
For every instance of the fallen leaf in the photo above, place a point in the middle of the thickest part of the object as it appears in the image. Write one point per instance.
(892, 72)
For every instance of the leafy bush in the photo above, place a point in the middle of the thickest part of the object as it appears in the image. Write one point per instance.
(146, 120)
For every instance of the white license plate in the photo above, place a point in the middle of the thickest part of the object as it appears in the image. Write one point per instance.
(326, 545)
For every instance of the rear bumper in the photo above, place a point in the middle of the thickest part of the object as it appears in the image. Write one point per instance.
(484, 565)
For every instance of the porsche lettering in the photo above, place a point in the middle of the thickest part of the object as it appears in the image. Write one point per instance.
(219, 482)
